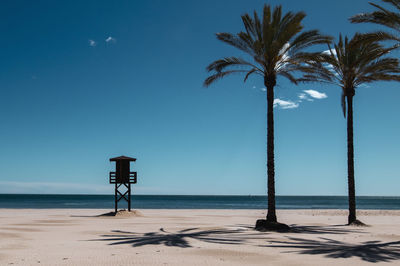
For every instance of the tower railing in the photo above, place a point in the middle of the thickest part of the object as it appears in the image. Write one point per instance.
(131, 180)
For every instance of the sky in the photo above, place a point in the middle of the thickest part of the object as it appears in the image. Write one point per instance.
(84, 81)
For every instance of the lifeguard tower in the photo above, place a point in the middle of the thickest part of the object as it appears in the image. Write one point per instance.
(122, 177)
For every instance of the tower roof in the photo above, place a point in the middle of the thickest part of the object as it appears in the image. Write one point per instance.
(122, 158)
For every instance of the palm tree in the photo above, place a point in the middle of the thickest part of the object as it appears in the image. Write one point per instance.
(384, 17)
(276, 47)
(350, 64)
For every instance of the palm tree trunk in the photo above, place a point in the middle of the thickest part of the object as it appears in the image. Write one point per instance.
(270, 83)
(350, 161)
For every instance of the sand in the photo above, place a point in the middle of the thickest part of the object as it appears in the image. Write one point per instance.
(195, 237)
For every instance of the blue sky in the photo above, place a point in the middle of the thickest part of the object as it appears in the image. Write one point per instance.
(83, 81)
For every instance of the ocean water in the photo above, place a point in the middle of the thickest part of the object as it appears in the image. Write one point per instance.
(194, 202)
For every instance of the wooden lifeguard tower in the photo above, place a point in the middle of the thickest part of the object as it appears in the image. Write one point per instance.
(122, 177)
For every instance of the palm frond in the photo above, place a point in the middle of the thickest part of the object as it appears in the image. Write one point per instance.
(289, 76)
(236, 41)
(211, 79)
(223, 63)
(307, 39)
(395, 3)
(382, 16)
(252, 71)
(379, 36)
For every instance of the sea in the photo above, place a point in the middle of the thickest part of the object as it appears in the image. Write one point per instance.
(36, 201)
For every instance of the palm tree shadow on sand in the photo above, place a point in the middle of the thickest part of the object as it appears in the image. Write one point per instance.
(370, 251)
(242, 234)
(178, 239)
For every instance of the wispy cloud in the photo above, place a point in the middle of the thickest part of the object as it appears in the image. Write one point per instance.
(285, 104)
(259, 89)
(92, 43)
(315, 94)
(111, 40)
(302, 96)
(364, 86)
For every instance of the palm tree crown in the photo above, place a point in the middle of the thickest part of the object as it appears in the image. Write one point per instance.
(275, 43)
(384, 17)
(351, 63)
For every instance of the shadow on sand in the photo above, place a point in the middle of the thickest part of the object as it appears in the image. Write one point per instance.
(244, 234)
(178, 239)
(107, 214)
(316, 229)
(313, 229)
(371, 251)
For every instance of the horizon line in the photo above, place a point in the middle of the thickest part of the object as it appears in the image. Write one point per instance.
(200, 195)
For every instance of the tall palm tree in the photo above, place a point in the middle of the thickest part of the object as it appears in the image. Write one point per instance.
(382, 16)
(275, 46)
(350, 64)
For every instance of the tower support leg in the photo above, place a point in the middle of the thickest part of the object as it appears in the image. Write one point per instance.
(116, 198)
(129, 197)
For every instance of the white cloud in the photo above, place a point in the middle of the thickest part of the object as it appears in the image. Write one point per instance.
(315, 94)
(329, 52)
(284, 56)
(92, 43)
(364, 86)
(111, 40)
(329, 66)
(285, 104)
(302, 96)
(259, 88)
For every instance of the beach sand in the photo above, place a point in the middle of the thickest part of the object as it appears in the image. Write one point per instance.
(195, 237)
